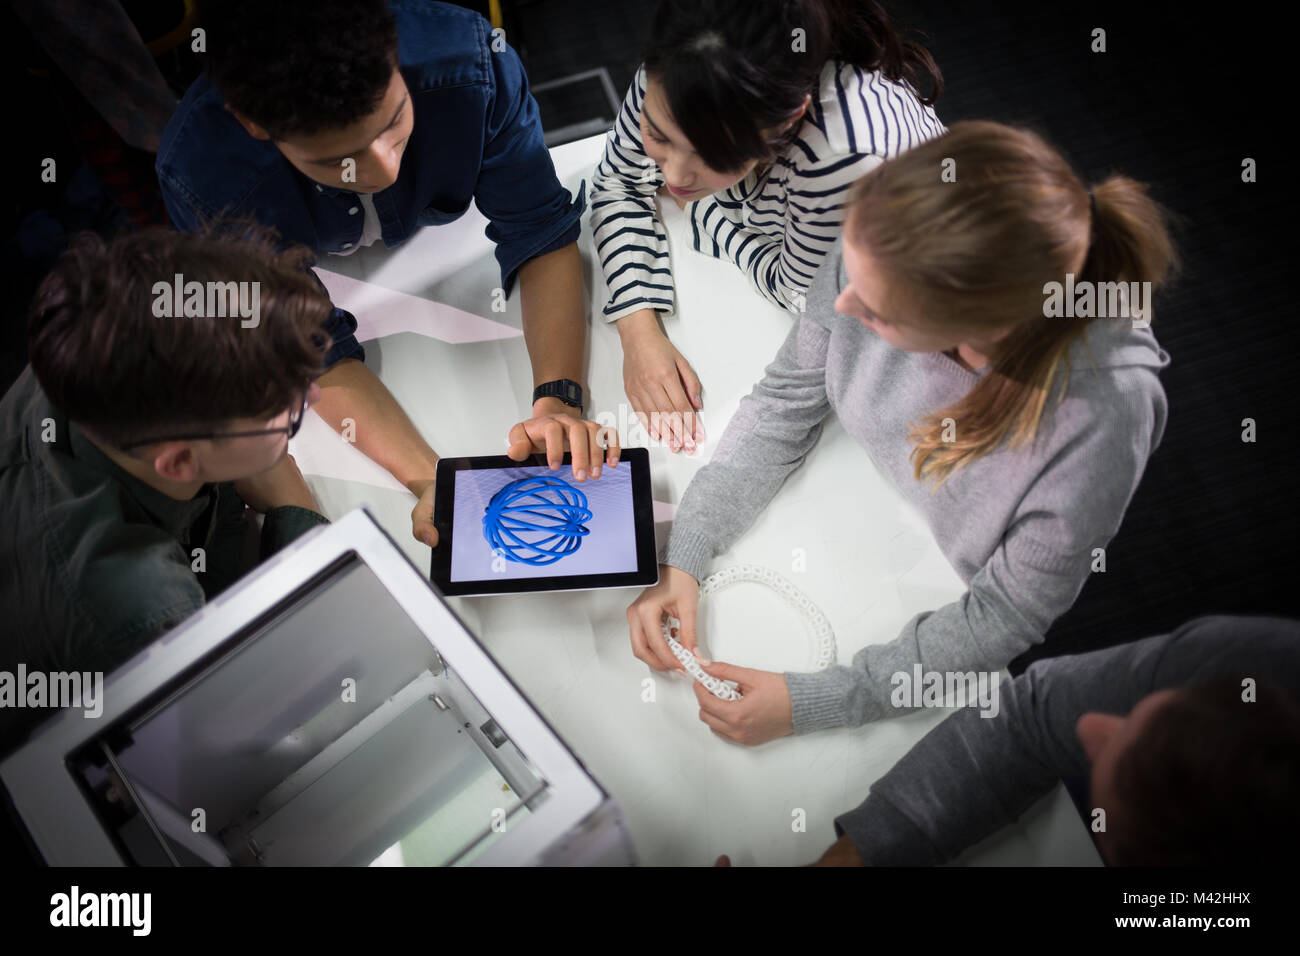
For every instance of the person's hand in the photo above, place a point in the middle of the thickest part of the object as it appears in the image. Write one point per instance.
(763, 713)
(279, 486)
(554, 425)
(676, 594)
(422, 528)
(660, 383)
(841, 853)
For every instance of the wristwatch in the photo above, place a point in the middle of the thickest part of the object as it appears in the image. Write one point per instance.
(566, 390)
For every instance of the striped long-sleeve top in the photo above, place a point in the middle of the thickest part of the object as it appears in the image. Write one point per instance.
(776, 224)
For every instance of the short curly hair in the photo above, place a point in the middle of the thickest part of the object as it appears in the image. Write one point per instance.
(297, 67)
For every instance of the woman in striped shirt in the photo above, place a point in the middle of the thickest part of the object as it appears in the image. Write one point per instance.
(755, 118)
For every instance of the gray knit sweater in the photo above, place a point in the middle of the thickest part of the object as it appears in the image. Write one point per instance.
(1019, 526)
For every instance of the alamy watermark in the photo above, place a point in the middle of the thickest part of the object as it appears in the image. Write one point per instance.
(196, 300)
(64, 689)
(1100, 300)
(129, 910)
(922, 688)
(627, 427)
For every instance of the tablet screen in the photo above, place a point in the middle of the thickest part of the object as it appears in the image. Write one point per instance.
(531, 522)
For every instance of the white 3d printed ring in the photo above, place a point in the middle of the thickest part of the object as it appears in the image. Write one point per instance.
(821, 627)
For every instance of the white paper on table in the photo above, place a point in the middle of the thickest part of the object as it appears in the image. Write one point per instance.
(381, 311)
(321, 451)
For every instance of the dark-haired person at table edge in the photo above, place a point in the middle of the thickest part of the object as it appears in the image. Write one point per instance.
(1190, 741)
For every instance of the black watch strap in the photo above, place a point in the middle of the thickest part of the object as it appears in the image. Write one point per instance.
(566, 390)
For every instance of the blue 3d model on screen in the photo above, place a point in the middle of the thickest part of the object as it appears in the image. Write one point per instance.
(536, 520)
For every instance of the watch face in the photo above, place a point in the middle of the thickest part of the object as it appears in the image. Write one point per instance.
(566, 391)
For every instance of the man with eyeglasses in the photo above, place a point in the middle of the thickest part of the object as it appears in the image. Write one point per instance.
(133, 447)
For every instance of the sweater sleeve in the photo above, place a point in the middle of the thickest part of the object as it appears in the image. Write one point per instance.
(630, 240)
(774, 427)
(971, 776)
(781, 268)
(1100, 445)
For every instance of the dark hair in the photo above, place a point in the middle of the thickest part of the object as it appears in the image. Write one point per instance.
(111, 365)
(300, 66)
(1210, 780)
(730, 69)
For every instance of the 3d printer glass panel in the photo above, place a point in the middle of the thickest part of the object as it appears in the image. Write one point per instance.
(329, 734)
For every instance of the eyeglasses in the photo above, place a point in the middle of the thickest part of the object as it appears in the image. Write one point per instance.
(295, 423)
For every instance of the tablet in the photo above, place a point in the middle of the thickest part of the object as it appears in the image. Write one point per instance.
(506, 526)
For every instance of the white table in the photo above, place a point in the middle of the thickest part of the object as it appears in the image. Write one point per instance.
(462, 373)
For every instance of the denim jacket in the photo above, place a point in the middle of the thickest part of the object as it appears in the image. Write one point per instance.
(477, 136)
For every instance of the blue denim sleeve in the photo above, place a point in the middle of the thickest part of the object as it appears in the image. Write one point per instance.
(529, 212)
(342, 328)
(184, 217)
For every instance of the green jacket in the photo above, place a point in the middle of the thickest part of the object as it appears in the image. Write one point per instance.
(95, 564)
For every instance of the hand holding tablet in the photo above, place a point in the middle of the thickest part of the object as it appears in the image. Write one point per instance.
(507, 527)
(545, 435)
(555, 425)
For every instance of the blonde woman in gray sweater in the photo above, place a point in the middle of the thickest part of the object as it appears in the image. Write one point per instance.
(1017, 423)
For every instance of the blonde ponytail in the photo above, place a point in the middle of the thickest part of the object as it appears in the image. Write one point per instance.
(970, 228)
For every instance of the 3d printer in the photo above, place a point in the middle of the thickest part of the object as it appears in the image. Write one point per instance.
(329, 709)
